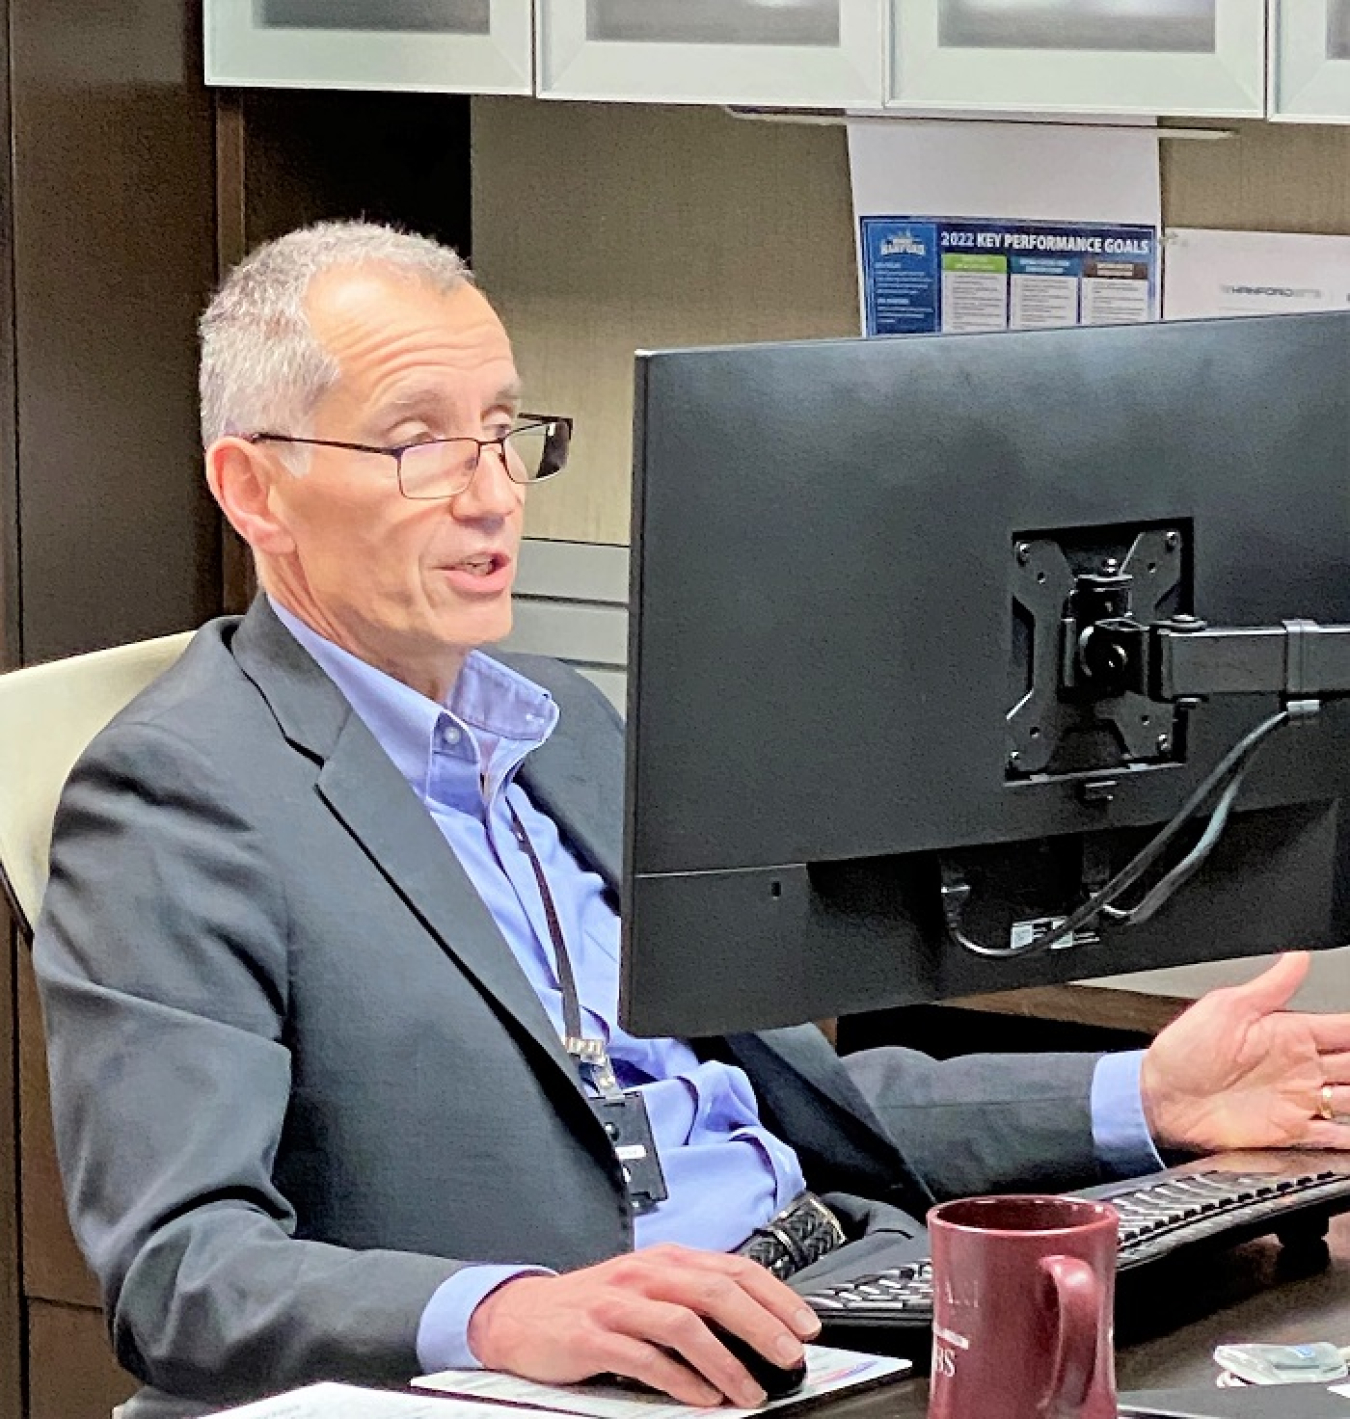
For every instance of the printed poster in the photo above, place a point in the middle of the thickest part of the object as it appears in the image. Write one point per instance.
(951, 274)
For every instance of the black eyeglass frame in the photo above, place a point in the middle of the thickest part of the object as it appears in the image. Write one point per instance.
(396, 451)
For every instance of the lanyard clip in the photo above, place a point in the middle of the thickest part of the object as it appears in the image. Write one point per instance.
(593, 1059)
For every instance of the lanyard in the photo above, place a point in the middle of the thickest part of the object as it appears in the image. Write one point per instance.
(622, 1113)
(591, 1057)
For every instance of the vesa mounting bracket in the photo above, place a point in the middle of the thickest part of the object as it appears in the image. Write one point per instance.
(1077, 706)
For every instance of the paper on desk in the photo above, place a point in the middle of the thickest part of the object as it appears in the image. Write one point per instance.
(1065, 233)
(827, 1370)
(1209, 273)
(339, 1401)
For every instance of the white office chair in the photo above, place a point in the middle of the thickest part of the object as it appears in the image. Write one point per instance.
(48, 714)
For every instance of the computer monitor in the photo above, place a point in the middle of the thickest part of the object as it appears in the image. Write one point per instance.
(865, 718)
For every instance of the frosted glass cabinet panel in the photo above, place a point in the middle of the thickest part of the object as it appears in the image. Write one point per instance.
(813, 22)
(1153, 26)
(471, 46)
(825, 53)
(1093, 56)
(1310, 60)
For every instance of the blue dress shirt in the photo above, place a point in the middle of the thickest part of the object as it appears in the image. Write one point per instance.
(725, 1172)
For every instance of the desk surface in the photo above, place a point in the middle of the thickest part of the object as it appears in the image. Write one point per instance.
(1242, 1294)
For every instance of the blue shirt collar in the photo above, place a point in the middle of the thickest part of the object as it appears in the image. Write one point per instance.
(500, 715)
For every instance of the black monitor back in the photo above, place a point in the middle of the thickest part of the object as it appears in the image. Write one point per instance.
(828, 650)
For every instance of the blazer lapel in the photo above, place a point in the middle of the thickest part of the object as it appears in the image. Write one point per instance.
(366, 792)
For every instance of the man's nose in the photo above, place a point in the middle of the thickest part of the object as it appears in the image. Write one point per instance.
(490, 493)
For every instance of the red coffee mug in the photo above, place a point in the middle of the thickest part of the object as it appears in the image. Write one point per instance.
(1023, 1299)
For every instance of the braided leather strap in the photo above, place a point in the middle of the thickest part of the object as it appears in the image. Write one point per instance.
(803, 1232)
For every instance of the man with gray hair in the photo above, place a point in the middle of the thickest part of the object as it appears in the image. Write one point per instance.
(329, 954)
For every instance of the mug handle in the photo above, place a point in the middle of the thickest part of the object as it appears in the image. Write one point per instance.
(1078, 1292)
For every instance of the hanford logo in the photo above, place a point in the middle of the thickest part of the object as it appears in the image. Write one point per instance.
(904, 244)
(1291, 293)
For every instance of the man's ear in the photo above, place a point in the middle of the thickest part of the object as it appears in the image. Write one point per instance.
(241, 477)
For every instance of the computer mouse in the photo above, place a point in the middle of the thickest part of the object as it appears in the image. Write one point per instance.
(777, 1381)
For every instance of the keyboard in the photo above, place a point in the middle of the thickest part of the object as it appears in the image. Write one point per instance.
(1216, 1202)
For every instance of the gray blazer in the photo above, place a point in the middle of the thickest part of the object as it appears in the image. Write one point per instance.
(299, 1078)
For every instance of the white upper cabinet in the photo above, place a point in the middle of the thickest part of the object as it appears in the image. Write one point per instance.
(459, 46)
(1310, 60)
(801, 53)
(1195, 57)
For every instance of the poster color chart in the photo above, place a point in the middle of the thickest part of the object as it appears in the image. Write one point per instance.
(928, 274)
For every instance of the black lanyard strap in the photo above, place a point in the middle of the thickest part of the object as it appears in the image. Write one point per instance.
(589, 1053)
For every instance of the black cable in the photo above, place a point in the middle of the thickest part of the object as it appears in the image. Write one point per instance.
(1172, 881)
(1232, 766)
(1178, 876)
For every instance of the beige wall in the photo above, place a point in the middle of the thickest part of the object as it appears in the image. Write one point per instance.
(600, 229)
(1268, 177)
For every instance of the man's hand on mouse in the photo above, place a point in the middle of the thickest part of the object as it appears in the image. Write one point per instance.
(646, 1316)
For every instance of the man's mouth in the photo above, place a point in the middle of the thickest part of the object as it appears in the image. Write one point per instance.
(482, 574)
(482, 564)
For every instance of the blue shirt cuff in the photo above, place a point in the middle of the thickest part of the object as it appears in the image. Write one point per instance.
(1120, 1132)
(443, 1331)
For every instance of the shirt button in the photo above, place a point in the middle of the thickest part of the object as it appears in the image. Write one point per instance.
(450, 735)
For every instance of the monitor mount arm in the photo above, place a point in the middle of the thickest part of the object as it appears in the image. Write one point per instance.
(1112, 668)
(1183, 661)
(1109, 658)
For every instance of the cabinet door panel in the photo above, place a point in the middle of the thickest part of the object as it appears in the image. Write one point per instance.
(1095, 56)
(827, 53)
(810, 22)
(391, 16)
(1310, 60)
(1136, 26)
(460, 46)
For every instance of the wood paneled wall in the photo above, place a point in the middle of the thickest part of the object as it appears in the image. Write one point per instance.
(600, 229)
(13, 1358)
(106, 531)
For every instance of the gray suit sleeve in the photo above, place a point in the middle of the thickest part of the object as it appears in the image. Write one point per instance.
(985, 1122)
(161, 961)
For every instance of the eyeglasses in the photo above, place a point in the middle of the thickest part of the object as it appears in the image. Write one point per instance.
(534, 449)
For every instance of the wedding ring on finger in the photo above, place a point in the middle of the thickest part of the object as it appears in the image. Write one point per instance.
(1324, 1106)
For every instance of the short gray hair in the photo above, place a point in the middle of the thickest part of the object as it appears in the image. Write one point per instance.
(262, 367)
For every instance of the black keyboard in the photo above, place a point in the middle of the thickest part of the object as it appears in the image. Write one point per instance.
(1160, 1215)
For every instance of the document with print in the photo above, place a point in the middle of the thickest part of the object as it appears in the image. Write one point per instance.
(331, 1400)
(828, 1371)
(1003, 226)
(1207, 273)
